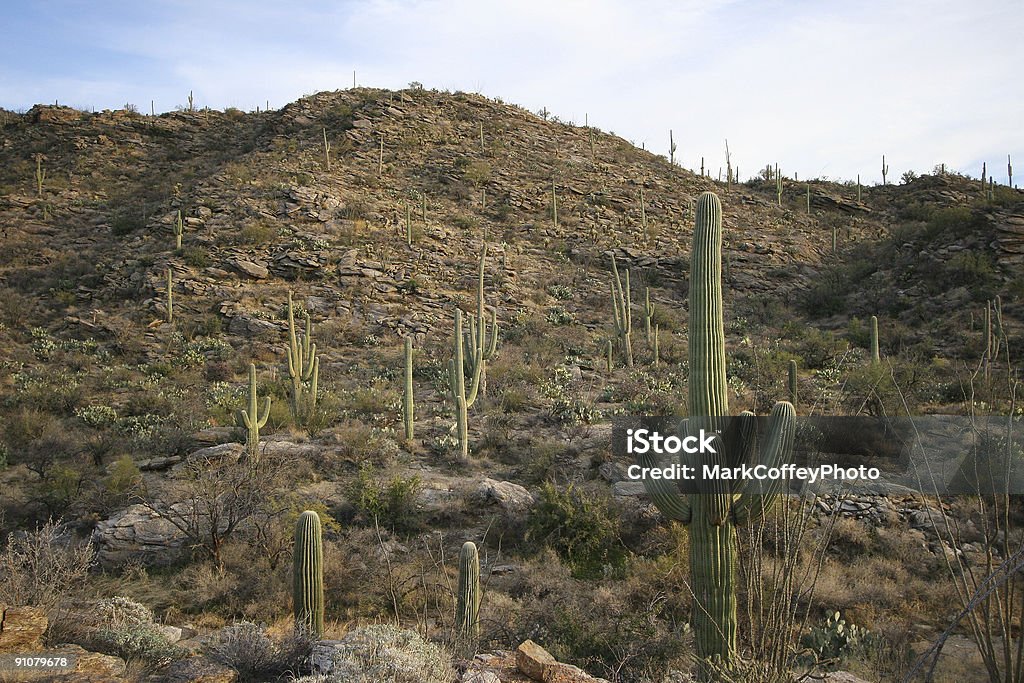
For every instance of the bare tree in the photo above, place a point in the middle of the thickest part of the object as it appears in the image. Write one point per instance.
(215, 496)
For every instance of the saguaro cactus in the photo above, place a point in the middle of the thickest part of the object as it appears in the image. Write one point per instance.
(303, 366)
(408, 406)
(179, 229)
(792, 384)
(875, 358)
(467, 616)
(648, 314)
(620, 308)
(480, 347)
(885, 169)
(252, 418)
(170, 295)
(713, 512)
(308, 575)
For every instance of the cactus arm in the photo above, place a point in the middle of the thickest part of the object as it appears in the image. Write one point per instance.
(758, 496)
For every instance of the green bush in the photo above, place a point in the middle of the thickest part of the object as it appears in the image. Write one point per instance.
(391, 503)
(581, 527)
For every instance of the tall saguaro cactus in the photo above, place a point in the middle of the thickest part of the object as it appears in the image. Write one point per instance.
(179, 229)
(170, 295)
(408, 405)
(308, 575)
(793, 383)
(253, 417)
(467, 615)
(875, 358)
(472, 350)
(303, 366)
(623, 317)
(718, 506)
(480, 347)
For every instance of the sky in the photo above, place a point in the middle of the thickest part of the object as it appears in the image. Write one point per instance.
(824, 88)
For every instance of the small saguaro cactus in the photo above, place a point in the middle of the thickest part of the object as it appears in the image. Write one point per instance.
(40, 175)
(179, 229)
(408, 224)
(253, 417)
(885, 169)
(457, 388)
(648, 314)
(1009, 171)
(408, 405)
(380, 159)
(303, 366)
(875, 358)
(608, 354)
(554, 204)
(467, 616)
(308, 575)
(654, 346)
(671, 148)
(643, 213)
(623, 317)
(808, 199)
(858, 187)
(984, 169)
(778, 185)
(170, 295)
(327, 152)
(718, 507)
(792, 383)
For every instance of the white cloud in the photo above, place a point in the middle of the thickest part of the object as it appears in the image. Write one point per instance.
(820, 87)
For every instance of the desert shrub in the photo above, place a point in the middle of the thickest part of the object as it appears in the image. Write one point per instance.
(385, 654)
(246, 648)
(43, 567)
(127, 630)
(567, 404)
(390, 503)
(581, 526)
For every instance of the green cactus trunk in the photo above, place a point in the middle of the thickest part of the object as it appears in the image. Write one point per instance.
(875, 357)
(408, 412)
(713, 561)
(792, 383)
(308, 575)
(467, 616)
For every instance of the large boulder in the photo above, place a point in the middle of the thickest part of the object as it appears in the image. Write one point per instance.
(512, 499)
(137, 533)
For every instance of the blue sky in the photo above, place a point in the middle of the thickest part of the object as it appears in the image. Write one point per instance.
(822, 87)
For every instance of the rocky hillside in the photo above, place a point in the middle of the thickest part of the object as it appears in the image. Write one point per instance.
(372, 209)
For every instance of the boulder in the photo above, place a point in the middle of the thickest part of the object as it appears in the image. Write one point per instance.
(534, 661)
(137, 533)
(21, 628)
(512, 499)
(89, 667)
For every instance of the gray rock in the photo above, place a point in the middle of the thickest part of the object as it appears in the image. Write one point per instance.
(513, 499)
(137, 533)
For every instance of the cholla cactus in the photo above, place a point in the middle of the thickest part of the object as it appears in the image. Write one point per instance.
(718, 507)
